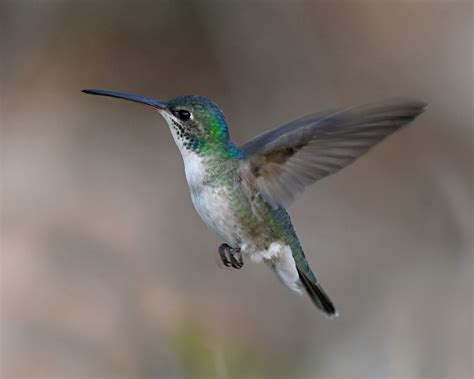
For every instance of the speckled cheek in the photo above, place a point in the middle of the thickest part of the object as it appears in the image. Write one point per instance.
(183, 139)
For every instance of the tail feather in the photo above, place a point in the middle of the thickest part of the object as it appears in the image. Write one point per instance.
(317, 295)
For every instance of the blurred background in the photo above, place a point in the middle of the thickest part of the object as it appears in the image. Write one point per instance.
(106, 269)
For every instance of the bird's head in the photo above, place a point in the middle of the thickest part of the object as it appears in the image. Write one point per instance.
(196, 122)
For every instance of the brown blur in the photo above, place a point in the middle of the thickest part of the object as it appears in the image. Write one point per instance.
(107, 271)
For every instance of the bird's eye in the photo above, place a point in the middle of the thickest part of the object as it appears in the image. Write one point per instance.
(182, 114)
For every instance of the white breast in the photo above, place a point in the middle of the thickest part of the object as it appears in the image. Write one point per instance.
(211, 203)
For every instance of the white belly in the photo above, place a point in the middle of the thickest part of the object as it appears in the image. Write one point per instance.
(213, 206)
(211, 203)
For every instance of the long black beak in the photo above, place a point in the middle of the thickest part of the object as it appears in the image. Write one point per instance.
(138, 99)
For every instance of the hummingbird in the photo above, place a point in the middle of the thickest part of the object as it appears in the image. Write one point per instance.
(242, 192)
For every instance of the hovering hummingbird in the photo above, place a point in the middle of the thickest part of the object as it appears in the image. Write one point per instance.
(241, 192)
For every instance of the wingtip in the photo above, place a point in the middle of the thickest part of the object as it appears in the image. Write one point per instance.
(424, 105)
(421, 104)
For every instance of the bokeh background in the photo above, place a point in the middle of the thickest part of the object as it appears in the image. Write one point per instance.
(106, 269)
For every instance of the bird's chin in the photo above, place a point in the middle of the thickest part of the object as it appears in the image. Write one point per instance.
(176, 131)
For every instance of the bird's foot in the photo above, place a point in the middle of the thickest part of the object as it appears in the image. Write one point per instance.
(231, 256)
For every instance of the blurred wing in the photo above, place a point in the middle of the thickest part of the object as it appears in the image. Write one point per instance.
(281, 163)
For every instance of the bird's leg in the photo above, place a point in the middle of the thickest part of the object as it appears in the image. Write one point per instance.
(236, 262)
(225, 250)
(222, 252)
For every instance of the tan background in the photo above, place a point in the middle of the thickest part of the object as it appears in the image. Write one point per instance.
(107, 271)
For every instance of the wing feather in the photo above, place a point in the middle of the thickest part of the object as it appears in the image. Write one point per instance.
(281, 163)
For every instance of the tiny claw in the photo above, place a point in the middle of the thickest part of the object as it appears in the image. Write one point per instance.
(222, 252)
(236, 263)
(241, 260)
(225, 250)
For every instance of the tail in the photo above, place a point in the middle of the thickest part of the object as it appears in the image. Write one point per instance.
(293, 270)
(317, 295)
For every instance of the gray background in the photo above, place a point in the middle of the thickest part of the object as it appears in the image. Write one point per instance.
(107, 271)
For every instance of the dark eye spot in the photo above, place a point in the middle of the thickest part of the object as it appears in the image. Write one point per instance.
(182, 114)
